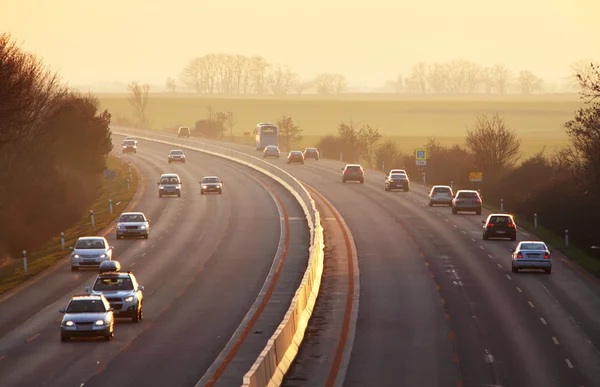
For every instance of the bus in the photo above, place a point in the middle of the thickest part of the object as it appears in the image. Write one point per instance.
(266, 134)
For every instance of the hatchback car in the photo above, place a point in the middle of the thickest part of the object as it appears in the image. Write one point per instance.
(107, 266)
(90, 252)
(311, 153)
(353, 172)
(129, 146)
(131, 138)
(295, 157)
(440, 194)
(122, 291)
(271, 151)
(183, 131)
(397, 181)
(133, 224)
(87, 316)
(499, 226)
(531, 255)
(467, 200)
(169, 184)
(176, 156)
(211, 184)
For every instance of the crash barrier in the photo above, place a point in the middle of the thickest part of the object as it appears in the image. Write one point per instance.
(281, 349)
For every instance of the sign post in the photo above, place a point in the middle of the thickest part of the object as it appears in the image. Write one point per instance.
(476, 177)
(421, 161)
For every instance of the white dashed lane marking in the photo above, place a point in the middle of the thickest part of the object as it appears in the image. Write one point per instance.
(519, 290)
(490, 255)
(543, 321)
(531, 304)
(555, 340)
(569, 363)
(509, 277)
(499, 265)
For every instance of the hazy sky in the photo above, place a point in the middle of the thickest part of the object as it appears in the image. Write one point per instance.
(369, 41)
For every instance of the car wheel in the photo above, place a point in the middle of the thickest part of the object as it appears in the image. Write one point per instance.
(514, 269)
(548, 270)
(160, 195)
(169, 161)
(118, 236)
(454, 212)
(201, 192)
(485, 237)
(430, 204)
(65, 338)
(139, 315)
(407, 189)
(513, 238)
(179, 195)
(74, 268)
(146, 236)
(343, 181)
(362, 181)
(478, 212)
(220, 192)
(109, 336)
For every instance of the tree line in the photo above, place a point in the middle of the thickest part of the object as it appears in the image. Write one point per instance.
(563, 187)
(53, 144)
(226, 74)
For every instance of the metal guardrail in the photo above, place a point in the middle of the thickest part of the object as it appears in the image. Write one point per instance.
(281, 349)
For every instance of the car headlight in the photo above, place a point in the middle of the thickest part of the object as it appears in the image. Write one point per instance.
(219, 186)
(142, 227)
(129, 299)
(103, 256)
(161, 187)
(69, 323)
(204, 187)
(75, 256)
(99, 322)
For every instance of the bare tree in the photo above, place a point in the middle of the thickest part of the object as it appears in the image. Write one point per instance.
(325, 84)
(472, 75)
(192, 75)
(300, 86)
(350, 141)
(437, 78)
(494, 146)
(339, 83)
(576, 69)
(528, 82)
(171, 85)
(288, 132)
(139, 101)
(281, 80)
(486, 77)
(418, 78)
(369, 137)
(502, 78)
(589, 81)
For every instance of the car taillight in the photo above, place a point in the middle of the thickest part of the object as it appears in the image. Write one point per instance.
(490, 225)
(519, 255)
(546, 256)
(478, 200)
(511, 225)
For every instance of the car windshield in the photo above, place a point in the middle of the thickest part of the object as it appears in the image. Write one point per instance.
(90, 244)
(130, 142)
(296, 153)
(208, 180)
(132, 218)
(441, 190)
(468, 195)
(532, 246)
(398, 171)
(353, 168)
(113, 283)
(169, 180)
(176, 152)
(271, 148)
(500, 220)
(183, 130)
(310, 150)
(86, 306)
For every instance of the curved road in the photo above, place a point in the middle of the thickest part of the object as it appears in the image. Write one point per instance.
(440, 307)
(202, 267)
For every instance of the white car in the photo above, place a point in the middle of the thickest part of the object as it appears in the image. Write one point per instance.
(441, 194)
(169, 184)
(133, 224)
(90, 252)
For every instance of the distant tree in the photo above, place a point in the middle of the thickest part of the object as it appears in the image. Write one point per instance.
(352, 144)
(577, 69)
(528, 82)
(386, 154)
(227, 121)
(486, 77)
(281, 80)
(502, 77)
(302, 85)
(589, 81)
(139, 101)
(456, 72)
(472, 74)
(418, 78)
(171, 85)
(437, 78)
(369, 137)
(289, 133)
(193, 75)
(327, 83)
(495, 147)
(340, 84)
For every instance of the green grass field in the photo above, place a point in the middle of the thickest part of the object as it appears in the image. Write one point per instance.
(116, 190)
(408, 120)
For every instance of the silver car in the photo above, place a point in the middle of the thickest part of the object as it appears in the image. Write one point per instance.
(176, 156)
(133, 224)
(90, 252)
(531, 255)
(87, 316)
(271, 151)
(122, 291)
(440, 194)
(169, 184)
(211, 184)
(467, 200)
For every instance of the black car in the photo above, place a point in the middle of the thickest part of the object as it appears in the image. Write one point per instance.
(295, 157)
(499, 226)
(311, 153)
(176, 156)
(183, 132)
(397, 181)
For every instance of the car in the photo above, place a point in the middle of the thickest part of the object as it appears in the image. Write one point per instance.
(467, 200)
(295, 157)
(531, 255)
(90, 251)
(131, 138)
(499, 226)
(271, 151)
(122, 291)
(211, 184)
(353, 172)
(109, 266)
(311, 153)
(176, 156)
(183, 131)
(133, 224)
(397, 181)
(169, 184)
(87, 316)
(397, 172)
(129, 146)
(441, 194)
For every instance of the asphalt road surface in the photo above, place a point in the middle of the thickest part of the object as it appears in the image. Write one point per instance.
(202, 267)
(439, 306)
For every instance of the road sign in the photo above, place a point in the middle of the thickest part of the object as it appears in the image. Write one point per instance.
(421, 154)
(110, 173)
(421, 163)
(476, 176)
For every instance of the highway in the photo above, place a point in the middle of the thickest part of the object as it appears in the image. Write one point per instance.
(203, 266)
(440, 307)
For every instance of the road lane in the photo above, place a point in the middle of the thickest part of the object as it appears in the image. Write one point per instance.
(184, 267)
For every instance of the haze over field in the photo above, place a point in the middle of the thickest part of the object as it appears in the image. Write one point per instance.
(367, 41)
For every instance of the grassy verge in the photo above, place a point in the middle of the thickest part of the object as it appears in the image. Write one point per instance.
(116, 190)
